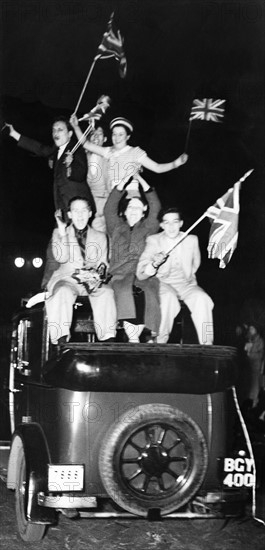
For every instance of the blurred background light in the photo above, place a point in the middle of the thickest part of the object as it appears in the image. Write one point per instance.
(37, 262)
(19, 262)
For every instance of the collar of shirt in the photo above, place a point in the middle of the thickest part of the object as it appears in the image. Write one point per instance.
(81, 232)
(118, 152)
(61, 150)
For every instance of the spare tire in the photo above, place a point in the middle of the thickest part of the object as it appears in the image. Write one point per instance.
(154, 457)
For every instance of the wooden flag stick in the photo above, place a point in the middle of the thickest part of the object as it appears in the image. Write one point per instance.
(84, 87)
(246, 175)
(188, 231)
(187, 137)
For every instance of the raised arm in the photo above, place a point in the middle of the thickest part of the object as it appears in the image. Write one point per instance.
(88, 146)
(164, 167)
(151, 221)
(111, 210)
(29, 144)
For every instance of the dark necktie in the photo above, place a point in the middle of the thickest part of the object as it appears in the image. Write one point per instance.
(81, 236)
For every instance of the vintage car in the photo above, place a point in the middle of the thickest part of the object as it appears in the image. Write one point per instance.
(119, 429)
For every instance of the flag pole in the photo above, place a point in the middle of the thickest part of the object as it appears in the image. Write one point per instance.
(84, 87)
(90, 71)
(187, 137)
(246, 175)
(187, 232)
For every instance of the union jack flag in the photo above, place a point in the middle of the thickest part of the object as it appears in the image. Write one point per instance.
(224, 229)
(112, 46)
(207, 109)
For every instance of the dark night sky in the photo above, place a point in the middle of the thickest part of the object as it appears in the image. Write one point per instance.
(176, 51)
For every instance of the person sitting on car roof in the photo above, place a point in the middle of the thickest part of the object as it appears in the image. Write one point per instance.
(176, 272)
(130, 217)
(79, 249)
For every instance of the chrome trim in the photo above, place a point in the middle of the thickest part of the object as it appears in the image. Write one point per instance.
(66, 501)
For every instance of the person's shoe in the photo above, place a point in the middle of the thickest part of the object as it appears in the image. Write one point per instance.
(62, 340)
(149, 337)
(133, 332)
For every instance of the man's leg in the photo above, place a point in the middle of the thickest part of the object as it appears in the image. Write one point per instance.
(152, 315)
(104, 312)
(59, 309)
(201, 306)
(170, 307)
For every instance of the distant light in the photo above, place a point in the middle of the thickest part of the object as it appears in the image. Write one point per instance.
(19, 262)
(242, 453)
(37, 262)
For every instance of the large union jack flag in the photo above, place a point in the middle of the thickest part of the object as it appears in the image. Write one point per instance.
(112, 46)
(224, 229)
(207, 109)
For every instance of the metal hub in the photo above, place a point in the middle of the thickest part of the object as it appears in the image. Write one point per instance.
(154, 460)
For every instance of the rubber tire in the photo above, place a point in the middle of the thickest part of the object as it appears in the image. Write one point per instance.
(116, 443)
(29, 532)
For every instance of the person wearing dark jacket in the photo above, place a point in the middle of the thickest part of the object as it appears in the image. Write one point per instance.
(69, 174)
(69, 170)
(130, 218)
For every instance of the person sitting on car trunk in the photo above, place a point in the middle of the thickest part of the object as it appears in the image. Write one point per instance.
(176, 274)
(78, 248)
(130, 217)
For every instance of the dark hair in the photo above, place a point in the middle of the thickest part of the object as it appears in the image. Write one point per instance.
(64, 119)
(100, 124)
(125, 200)
(79, 198)
(173, 210)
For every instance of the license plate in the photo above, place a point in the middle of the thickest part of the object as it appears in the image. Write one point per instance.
(65, 477)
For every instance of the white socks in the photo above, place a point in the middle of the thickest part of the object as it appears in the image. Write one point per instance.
(133, 331)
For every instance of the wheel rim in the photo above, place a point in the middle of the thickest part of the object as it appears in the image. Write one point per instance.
(156, 460)
(22, 491)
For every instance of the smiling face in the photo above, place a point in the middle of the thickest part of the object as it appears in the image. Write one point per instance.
(171, 224)
(79, 213)
(119, 137)
(97, 137)
(134, 211)
(60, 133)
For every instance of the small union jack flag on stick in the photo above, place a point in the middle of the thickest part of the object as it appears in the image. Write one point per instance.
(207, 109)
(112, 46)
(224, 229)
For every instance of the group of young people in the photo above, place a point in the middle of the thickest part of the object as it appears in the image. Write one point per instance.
(106, 213)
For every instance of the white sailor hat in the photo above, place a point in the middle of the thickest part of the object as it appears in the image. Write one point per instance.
(120, 121)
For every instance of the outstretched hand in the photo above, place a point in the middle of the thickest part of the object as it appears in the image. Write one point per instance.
(12, 132)
(181, 160)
